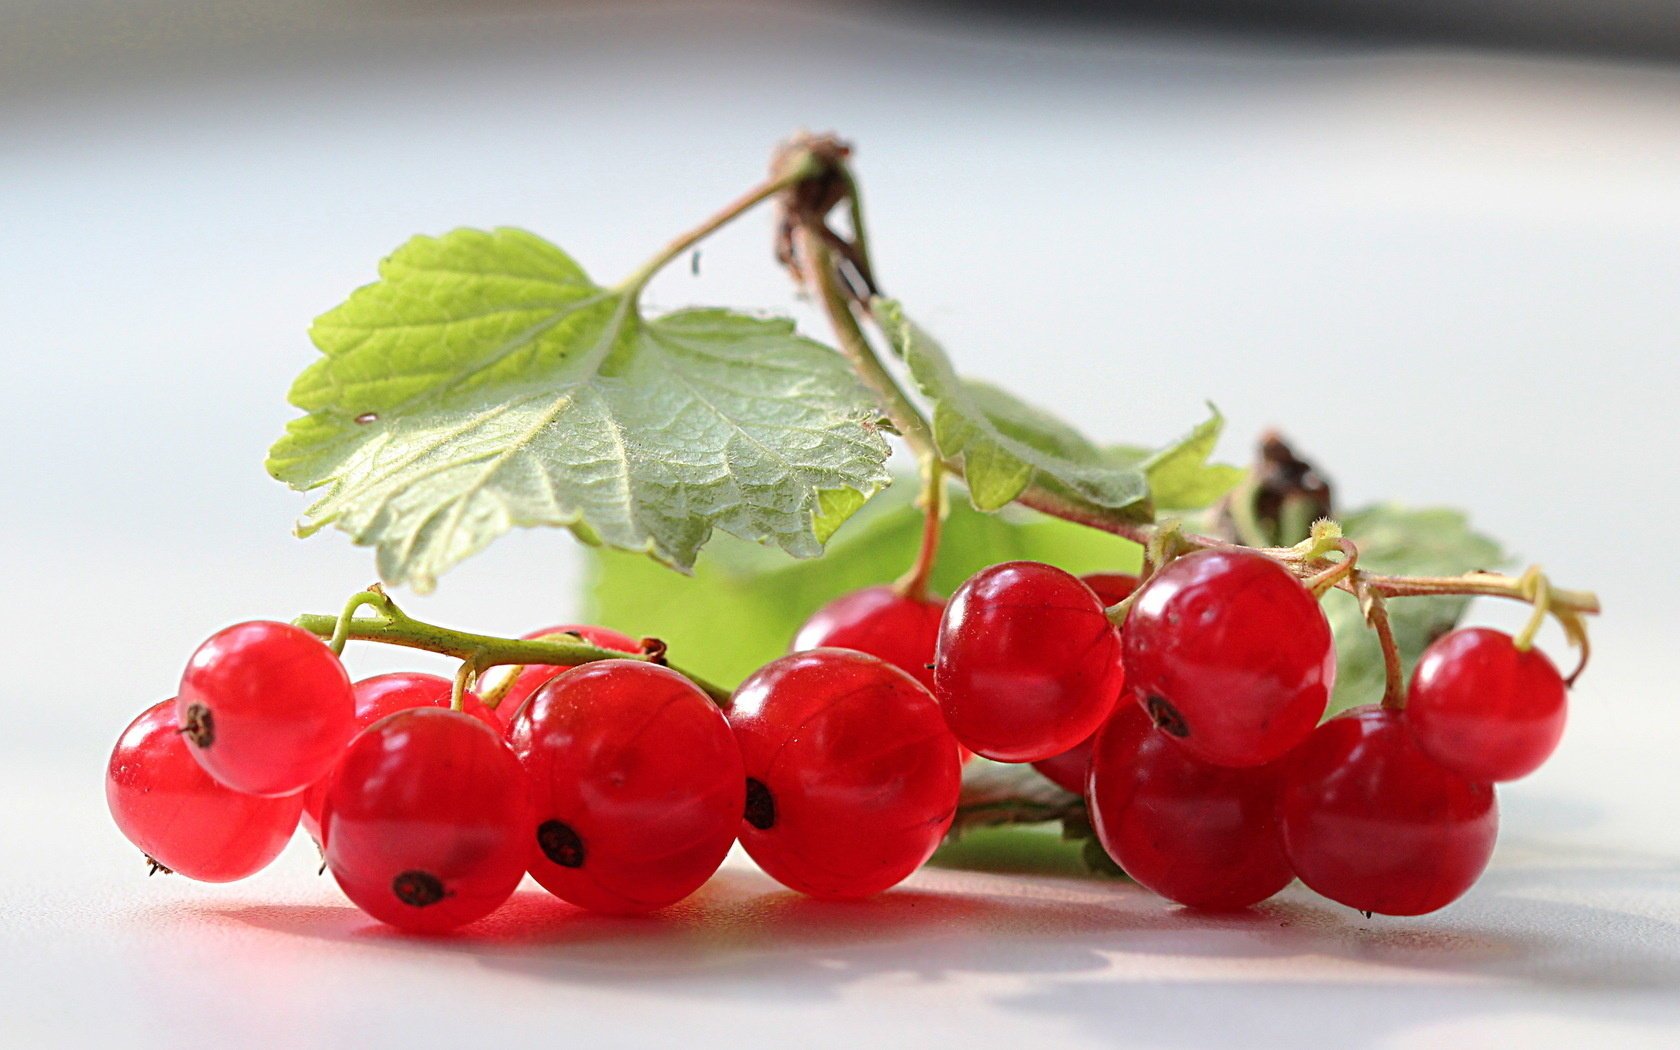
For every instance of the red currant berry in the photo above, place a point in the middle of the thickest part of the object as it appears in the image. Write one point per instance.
(1203, 835)
(168, 806)
(1027, 666)
(1068, 770)
(1483, 707)
(638, 785)
(851, 774)
(1230, 655)
(266, 707)
(426, 820)
(534, 676)
(1371, 821)
(902, 631)
(1111, 588)
(386, 694)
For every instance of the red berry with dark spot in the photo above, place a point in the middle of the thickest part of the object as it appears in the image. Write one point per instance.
(1371, 821)
(1027, 665)
(169, 807)
(1485, 708)
(851, 775)
(426, 820)
(637, 781)
(1203, 835)
(266, 707)
(1230, 655)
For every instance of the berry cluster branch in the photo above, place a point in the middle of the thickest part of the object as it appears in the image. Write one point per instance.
(477, 652)
(840, 274)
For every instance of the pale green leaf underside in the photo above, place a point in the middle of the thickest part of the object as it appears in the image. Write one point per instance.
(486, 383)
(1401, 541)
(1179, 475)
(1004, 444)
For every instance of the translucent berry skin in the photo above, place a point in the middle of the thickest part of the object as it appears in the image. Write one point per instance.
(534, 676)
(1027, 665)
(1372, 822)
(1069, 770)
(386, 694)
(852, 776)
(901, 631)
(169, 807)
(1111, 588)
(1203, 835)
(637, 782)
(1230, 655)
(1481, 706)
(426, 820)
(266, 707)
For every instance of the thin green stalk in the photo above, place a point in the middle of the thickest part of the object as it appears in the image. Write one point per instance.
(800, 169)
(395, 627)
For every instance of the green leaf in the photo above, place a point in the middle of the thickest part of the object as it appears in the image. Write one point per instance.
(1395, 540)
(1003, 444)
(1180, 476)
(743, 604)
(485, 382)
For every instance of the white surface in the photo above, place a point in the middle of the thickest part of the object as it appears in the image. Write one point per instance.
(1451, 278)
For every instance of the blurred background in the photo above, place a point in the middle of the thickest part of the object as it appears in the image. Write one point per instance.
(1437, 244)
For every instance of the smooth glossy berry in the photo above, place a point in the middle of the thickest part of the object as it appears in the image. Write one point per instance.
(168, 806)
(902, 631)
(1027, 665)
(852, 776)
(637, 782)
(1371, 821)
(426, 820)
(1230, 655)
(386, 694)
(1069, 769)
(1483, 707)
(1203, 835)
(1111, 588)
(266, 707)
(534, 676)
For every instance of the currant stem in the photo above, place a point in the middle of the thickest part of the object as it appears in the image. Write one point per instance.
(914, 584)
(1376, 614)
(466, 676)
(481, 651)
(797, 170)
(1524, 640)
(374, 595)
(836, 302)
(1324, 579)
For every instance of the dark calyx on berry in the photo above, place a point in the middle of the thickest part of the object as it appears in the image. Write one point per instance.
(761, 805)
(201, 726)
(560, 843)
(1166, 717)
(418, 888)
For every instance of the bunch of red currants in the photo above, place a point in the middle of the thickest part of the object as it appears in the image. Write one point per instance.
(619, 785)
